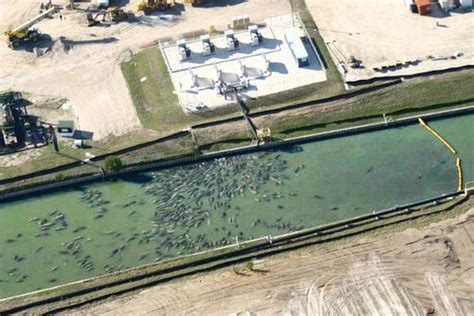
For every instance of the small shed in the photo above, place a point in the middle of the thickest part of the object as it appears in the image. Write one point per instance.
(297, 48)
(423, 6)
(66, 128)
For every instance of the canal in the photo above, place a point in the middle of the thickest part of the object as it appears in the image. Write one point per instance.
(89, 230)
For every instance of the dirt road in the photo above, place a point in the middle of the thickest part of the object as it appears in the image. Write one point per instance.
(407, 273)
(82, 64)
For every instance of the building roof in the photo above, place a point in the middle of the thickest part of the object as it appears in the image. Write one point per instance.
(66, 124)
(295, 43)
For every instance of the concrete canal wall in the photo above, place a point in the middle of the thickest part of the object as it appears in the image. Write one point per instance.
(187, 160)
(417, 75)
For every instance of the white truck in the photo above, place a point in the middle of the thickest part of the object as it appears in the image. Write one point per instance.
(102, 3)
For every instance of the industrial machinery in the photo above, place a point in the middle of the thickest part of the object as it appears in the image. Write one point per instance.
(208, 47)
(264, 134)
(256, 37)
(231, 40)
(195, 3)
(184, 52)
(24, 33)
(116, 14)
(93, 20)
(102, 3)
(8, 102)
(148, 6)
(10, 97)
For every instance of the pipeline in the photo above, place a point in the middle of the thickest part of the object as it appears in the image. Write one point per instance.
(458, 166)
(432, 131)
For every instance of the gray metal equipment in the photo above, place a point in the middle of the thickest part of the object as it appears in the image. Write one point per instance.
(256, 37)
(183, 50)
(231, 40)
(208, 48)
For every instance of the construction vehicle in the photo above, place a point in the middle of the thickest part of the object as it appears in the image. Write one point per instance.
(93, 20)
(116, 14)
(264, 134)
(24, 33)
(148, 6)
(195, 3)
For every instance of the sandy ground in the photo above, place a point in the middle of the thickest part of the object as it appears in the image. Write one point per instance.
(19, 158)
(407, 273)
(383, 32)
(88, 74)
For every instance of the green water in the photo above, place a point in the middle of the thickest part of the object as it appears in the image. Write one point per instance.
(82, 232)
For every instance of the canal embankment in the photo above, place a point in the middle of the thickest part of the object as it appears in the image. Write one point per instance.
(173, 162)
(65, 297)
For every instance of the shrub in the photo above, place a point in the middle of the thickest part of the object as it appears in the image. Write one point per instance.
(112, 164)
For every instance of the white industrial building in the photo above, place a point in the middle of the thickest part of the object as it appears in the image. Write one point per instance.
(262, 60)
(293, 39)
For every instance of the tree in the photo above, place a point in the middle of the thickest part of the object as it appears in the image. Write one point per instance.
(112, 164)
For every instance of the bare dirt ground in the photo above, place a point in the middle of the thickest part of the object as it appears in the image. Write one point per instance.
(19, 158)
(82, 64)
(384, 32)
(412, 272)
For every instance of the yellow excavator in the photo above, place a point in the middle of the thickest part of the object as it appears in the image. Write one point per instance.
(195, 3)
(24, 33)
(115, 14)
(148, 6)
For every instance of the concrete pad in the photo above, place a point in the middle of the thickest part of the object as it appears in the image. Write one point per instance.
(269, 68)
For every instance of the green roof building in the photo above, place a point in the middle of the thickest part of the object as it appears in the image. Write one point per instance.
(66, 128)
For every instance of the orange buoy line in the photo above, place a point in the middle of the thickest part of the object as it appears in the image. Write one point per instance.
(432, 131)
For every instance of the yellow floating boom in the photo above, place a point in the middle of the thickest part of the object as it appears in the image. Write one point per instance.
(432, 131)
(458, 166)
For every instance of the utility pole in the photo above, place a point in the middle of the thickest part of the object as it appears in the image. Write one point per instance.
(72, 4)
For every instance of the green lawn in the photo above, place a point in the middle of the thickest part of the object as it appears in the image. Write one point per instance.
(156, 103)
(409, 98)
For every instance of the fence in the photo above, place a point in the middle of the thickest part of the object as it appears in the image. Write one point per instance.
(186, 160)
